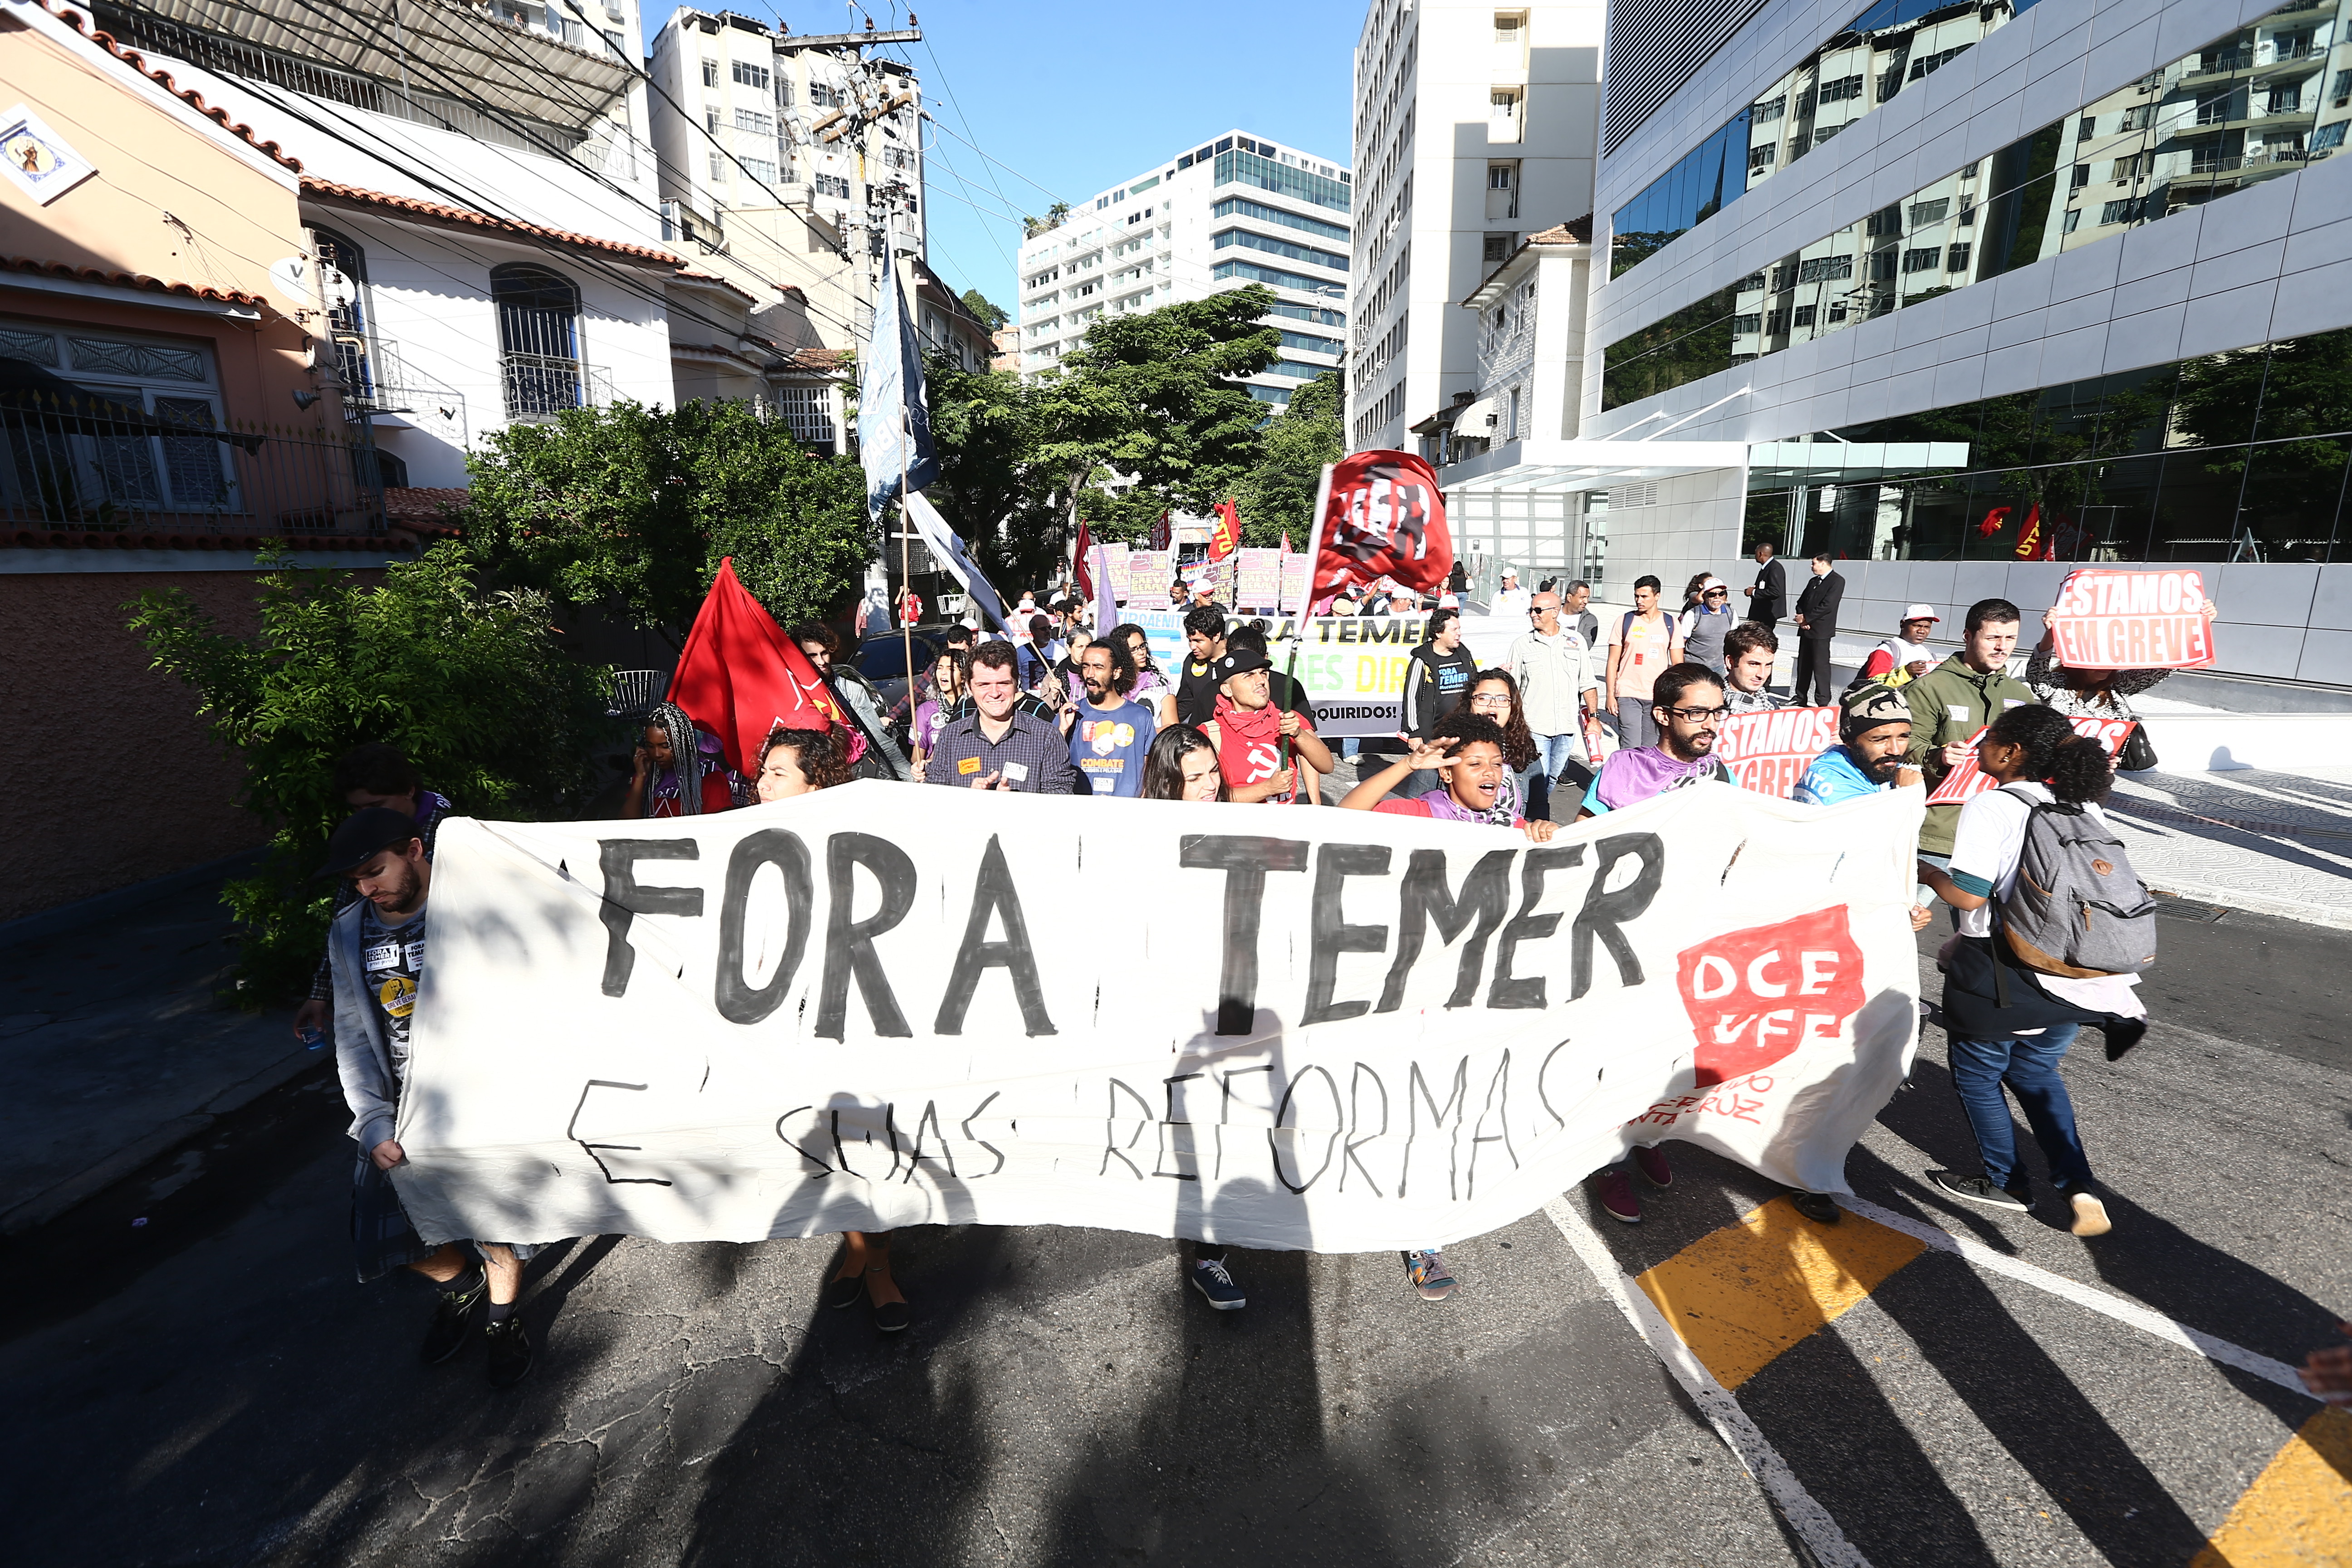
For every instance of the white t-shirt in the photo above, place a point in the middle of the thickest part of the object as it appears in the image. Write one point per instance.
(1509, 602)
(1987, 845)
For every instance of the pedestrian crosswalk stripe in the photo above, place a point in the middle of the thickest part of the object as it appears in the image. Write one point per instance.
(1824, 1540)
(2210, 1346)
(2298, 1512)
(1742, 1295)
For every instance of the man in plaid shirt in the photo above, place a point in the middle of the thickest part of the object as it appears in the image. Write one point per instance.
(995, 747)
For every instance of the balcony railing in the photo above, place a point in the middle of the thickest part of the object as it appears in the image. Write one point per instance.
(82, 463)
(540, 386)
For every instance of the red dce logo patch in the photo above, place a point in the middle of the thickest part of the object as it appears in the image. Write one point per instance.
(1755, 996)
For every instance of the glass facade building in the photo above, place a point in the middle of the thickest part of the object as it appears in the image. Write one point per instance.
(2255, 103)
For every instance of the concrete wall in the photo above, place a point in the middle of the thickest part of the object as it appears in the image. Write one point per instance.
(1690, 524)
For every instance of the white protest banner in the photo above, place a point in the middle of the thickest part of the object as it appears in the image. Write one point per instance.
(1967, 780)
(1769, 752)
(1326, 1030)
(2107, 619)
(1259, 579)
(1298, 571)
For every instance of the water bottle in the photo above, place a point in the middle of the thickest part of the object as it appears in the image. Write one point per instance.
(312, 1038)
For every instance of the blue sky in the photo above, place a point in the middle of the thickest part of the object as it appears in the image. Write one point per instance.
(1077, 97)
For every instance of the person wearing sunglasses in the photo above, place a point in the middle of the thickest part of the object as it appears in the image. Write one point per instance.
(1551, 664)
(1706, 622)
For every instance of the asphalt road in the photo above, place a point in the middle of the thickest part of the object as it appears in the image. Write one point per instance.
(210, 1386)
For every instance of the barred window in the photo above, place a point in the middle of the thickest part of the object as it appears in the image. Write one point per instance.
(807, 412)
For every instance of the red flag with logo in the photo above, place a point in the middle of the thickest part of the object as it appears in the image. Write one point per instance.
(1226, 537)
(741, 676)
(2028, 538)
(1384, 516)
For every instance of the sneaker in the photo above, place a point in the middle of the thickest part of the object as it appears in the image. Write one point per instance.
(1654, 1165)
(445, 1336)
(511, 1354)
(2090, 1216)
(1979, 1190)
(1427, 1273)
(1616, 1190)
(1216, 1286)
(1819, 1207)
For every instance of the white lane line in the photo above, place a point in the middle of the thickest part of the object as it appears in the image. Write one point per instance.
(1755, 1452)
(2144, 1318)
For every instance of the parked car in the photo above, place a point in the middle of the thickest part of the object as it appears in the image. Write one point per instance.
(881, 658)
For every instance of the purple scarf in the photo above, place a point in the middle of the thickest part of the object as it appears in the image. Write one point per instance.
(1629, 778)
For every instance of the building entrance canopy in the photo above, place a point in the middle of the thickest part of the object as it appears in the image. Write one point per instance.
(1602, 465)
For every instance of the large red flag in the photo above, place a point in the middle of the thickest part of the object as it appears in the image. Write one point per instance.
(2028, 538)
(1384, 516)
(741, 677)
(1226, 537)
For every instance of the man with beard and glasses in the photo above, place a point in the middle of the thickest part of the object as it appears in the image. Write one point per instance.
(1689, 701)
(376, 951)
(1110, 733)
(1874, 731)
(998, 745)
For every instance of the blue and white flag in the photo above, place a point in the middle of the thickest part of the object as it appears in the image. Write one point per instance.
(893, 417)
(949, 548)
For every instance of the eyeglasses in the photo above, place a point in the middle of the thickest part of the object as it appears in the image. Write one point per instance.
(1718, 593)
(1695, 715)
(1491, 699)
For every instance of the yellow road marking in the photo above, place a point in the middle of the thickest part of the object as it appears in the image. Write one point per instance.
(1742, 1295)
(2298, 1512)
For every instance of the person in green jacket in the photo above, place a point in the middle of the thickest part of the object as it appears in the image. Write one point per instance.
(1954, 700)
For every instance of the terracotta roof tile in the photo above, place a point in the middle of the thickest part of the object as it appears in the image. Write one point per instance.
(130, 280)
(236, 544)
(464, 217)
(426, 508)
(194, 100)
(1575, 231)
(824, 362)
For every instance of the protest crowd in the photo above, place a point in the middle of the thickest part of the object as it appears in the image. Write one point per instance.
(1585, 714)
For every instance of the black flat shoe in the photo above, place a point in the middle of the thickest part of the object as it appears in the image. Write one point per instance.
(846, 1292)
(2123, 1034)
(892, 1315)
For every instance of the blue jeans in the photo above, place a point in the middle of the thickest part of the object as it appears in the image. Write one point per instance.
(2029, 1066)
(1554, 752)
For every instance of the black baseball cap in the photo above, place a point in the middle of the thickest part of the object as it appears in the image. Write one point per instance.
(1241, 662)
(365, 833)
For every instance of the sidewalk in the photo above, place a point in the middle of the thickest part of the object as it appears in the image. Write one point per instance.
(2278, 844)
(112, 1050)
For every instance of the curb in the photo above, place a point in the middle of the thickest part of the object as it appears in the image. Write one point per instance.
(2252, 903)
(46, 1206)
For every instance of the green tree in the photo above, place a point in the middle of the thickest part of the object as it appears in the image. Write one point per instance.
(469, 681)
(987, 310)
(1278, 494)
(1154, 398)
(635, 506)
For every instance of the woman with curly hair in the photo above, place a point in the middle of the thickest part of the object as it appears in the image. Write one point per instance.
(1494, 695)
(797, 761)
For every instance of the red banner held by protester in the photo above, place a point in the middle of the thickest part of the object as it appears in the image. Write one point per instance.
(1226, 537)
(2132, 620)
(1768, 752)
(1082, 569)
(1967, 780)
(741, 677)
(1384, 516)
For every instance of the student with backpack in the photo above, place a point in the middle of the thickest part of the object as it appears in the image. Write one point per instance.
(2056, 929)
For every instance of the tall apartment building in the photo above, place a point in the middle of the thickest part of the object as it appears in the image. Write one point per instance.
(790, 164)
(1475, 126)
(1235, 210)
(2099, 252)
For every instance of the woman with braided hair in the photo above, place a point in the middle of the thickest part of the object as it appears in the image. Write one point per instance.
(680, 771)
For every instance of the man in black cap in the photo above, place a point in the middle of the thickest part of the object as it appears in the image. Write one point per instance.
(375, 949)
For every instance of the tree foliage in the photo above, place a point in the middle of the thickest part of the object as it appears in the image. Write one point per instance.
(635, 505)
(470, 682)
(1279, 495)
(987, 310)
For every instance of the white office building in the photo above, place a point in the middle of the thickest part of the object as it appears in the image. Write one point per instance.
(1475, 127)
(1235, 210)
(1986, 292)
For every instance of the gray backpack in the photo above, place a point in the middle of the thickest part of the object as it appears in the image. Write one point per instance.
(2078, 908)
